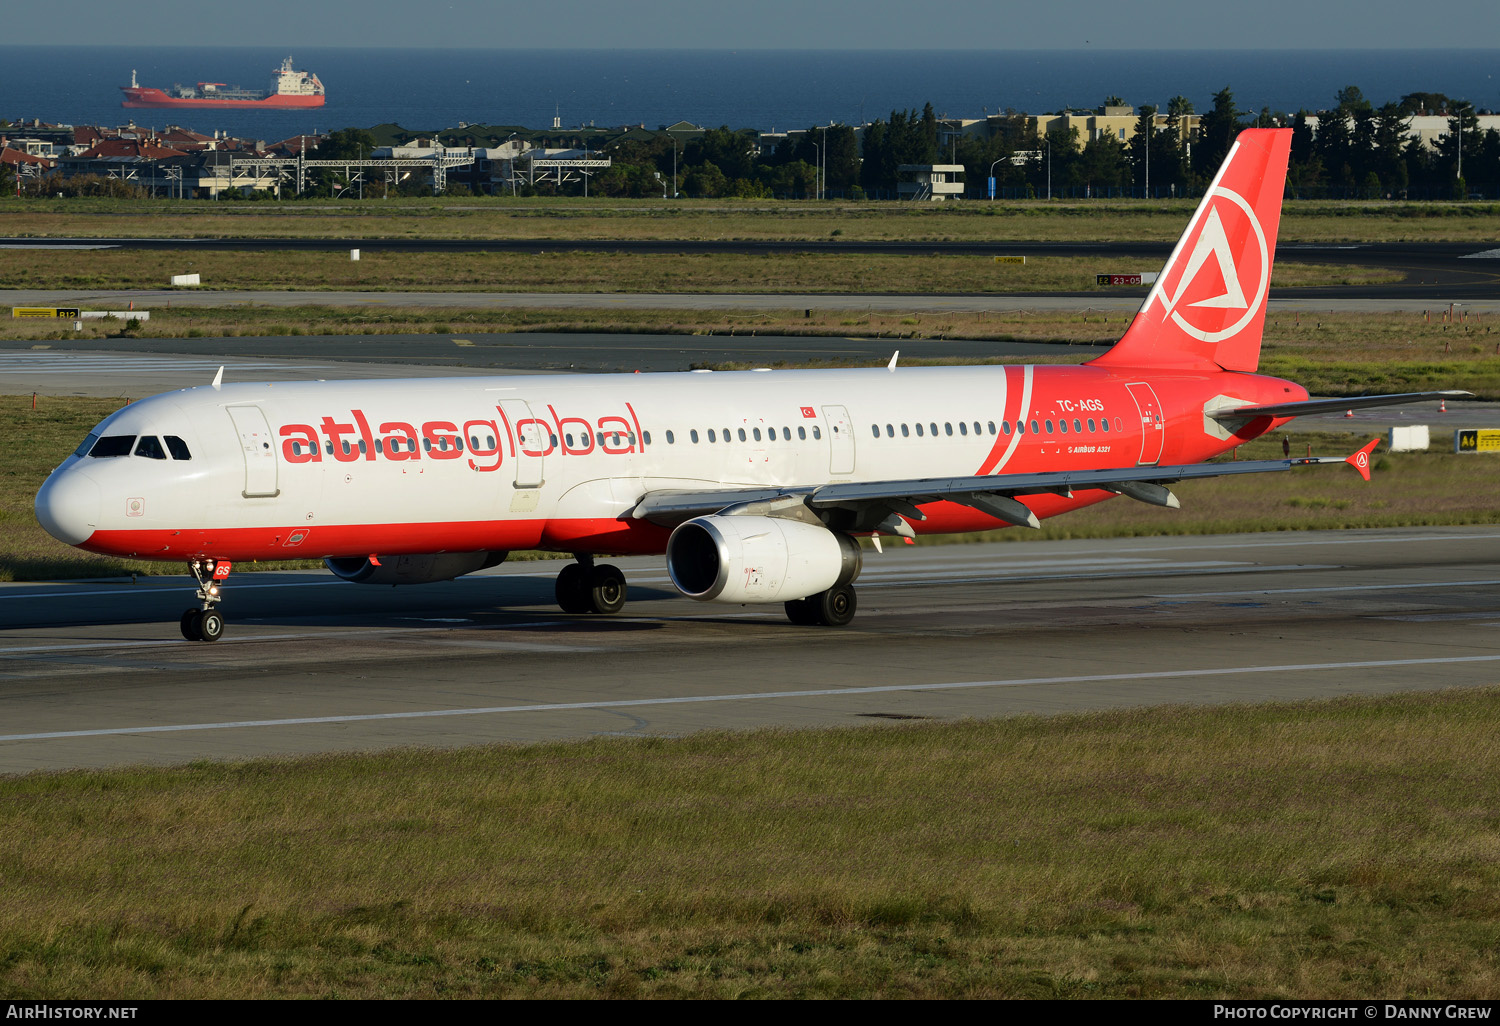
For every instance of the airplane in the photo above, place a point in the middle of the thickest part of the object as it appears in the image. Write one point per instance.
(754, 485)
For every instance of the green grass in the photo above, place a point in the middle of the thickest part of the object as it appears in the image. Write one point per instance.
(503, 217)
(596, 271)
(1339, 849)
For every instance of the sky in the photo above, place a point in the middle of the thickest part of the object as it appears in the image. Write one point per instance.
(763, 24)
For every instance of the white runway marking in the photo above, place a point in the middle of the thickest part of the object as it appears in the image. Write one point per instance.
(1411, 586)
(754, 696)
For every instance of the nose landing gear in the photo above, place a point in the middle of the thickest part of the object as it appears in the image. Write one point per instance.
(205, 623)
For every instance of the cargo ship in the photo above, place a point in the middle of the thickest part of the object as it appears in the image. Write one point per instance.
(289, 89)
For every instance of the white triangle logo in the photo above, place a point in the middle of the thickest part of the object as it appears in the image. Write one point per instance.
(1212, 242)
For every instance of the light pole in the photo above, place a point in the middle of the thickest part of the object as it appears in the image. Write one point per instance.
(1460, 112)
(674, 167)
(823, 171)
(1049, 164)
(511, 174)
(817, 165)
(992, 179)
(1150, 130)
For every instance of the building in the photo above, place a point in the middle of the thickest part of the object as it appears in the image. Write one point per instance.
(935, 182)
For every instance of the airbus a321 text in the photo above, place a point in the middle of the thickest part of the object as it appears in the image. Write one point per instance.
(755, 485)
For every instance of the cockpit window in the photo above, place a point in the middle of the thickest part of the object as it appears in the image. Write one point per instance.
(150, 447)
(88, 443)
(113, 445)
(178, 448)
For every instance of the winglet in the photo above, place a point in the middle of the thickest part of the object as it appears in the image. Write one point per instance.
(1360, 461)
(218, 379)
(894, 357)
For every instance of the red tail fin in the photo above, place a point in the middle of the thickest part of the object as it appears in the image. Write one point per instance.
(1208, 306)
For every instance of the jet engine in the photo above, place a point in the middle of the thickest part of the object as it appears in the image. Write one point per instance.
(758, 559)
(423, 568)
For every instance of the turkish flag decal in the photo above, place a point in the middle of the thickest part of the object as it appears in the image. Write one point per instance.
(809, 413)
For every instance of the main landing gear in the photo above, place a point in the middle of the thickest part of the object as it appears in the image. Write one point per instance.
(205, 623)
(583, 587)
(832, 608)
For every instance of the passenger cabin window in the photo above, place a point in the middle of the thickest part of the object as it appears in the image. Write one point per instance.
(150, 447)
(693, 434)
(875, 430)
(817, 432)
(113, 445)
(802, 433)
(179, 449)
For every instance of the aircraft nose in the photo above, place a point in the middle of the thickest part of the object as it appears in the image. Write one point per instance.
(68, 507)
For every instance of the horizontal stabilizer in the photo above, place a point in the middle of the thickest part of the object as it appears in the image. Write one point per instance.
(1309, 406)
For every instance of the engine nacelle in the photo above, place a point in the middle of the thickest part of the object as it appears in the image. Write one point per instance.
(758, 559)
(423, 568)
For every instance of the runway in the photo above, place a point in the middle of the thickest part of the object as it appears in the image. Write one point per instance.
(136, 368)
(95, 674)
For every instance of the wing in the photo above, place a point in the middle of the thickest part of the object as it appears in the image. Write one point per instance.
(1332, 405)
(885, 506)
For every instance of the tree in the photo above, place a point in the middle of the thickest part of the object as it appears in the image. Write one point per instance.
(1216, 132)
(345, 144)
(1179, 107)
(841, 166)
(1423, 103)
(706, 181)
(1351, 101)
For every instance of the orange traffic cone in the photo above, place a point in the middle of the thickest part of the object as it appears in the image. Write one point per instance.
(1443, 406)
(1348, 413)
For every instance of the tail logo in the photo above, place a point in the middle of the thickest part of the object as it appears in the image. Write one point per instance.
(1211, 287)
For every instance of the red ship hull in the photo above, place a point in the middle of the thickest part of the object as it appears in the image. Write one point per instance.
(143, 96)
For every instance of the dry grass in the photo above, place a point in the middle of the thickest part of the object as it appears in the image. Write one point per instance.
(502, 217)
(1343, 849)
(632, 273)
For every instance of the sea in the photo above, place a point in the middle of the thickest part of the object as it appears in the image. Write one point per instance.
(769, 90)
